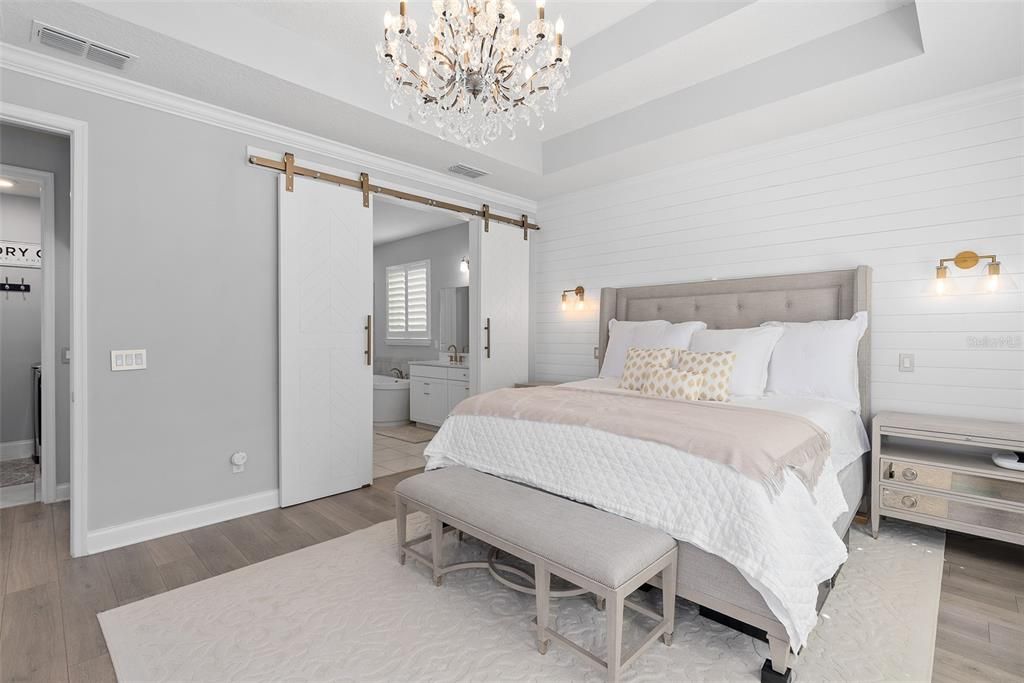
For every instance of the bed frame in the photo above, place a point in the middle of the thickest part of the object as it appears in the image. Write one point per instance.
(705, 579)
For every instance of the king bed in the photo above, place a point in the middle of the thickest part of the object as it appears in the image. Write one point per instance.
(760, 558)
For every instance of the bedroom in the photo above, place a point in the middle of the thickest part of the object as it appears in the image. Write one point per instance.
(698, 145)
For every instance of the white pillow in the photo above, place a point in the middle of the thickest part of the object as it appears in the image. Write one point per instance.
(679, 335)
(753, 348)
(624, 334)
(818, 359)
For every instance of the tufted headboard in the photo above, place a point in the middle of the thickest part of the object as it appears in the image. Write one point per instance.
(748, 302)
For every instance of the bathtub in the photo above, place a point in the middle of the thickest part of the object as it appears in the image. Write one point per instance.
(390, 401)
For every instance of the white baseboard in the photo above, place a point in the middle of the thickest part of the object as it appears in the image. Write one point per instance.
(12, 450)
(174, 522)
(63, 493)
(17, 495)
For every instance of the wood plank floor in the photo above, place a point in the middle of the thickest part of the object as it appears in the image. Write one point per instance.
(49, 601)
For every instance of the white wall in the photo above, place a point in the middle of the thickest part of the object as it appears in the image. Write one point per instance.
(444, 249)
(896, 191)
(20, 321)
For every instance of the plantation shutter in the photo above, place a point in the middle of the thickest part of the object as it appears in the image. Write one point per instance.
(408, 292)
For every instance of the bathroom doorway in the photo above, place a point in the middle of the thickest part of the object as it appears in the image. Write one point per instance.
(421, 278)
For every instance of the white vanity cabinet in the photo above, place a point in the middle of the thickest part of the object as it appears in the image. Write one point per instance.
(434, 390)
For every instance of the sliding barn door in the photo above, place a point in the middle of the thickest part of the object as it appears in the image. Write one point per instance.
(504, 306)
(326, 380)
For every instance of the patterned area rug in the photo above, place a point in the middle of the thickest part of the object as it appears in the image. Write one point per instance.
(407, 433)
(18, 471)
(345, 609)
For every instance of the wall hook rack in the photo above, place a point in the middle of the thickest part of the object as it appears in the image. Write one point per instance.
(22, 287)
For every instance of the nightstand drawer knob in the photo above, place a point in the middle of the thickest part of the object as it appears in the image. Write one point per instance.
(909, 474)
(909, 501)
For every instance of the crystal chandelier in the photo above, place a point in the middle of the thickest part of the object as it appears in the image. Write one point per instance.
(475, 75)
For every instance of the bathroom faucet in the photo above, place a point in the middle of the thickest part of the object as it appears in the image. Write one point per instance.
(453, 353)
(395, 372)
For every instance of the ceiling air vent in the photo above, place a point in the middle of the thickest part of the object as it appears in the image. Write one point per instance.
(103, 55)
(62, 41)
(79, 46)
(468, 171)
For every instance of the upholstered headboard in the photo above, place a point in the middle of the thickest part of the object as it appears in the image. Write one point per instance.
(748, 302)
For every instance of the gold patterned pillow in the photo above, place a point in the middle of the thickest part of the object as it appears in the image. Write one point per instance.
(639, 362)
(716, 366)
(674, 384)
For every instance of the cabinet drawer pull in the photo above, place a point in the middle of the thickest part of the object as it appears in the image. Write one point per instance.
(909, 501)
(909, 474)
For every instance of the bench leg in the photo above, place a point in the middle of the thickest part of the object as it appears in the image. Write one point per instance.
(542, 579)
(668, 601)
(776, 669)
(436, 539)
(615, 607)
(401, 516)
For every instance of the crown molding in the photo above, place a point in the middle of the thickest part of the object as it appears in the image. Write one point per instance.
(873, 123)
(79, 76)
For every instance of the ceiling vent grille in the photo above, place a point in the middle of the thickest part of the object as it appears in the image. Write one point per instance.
(467, 171)
(62, 41)
(65, 41)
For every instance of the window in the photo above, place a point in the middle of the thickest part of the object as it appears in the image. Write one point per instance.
(408, 292)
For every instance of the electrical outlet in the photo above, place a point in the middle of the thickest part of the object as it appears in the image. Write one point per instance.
(906, 362)
(595, 354)
(238, 461)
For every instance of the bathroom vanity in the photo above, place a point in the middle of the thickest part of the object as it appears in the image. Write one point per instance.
(436, 387)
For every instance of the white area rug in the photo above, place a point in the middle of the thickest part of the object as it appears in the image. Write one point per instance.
(346, 610)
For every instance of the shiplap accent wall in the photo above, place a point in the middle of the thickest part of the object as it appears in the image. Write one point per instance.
(896, 191)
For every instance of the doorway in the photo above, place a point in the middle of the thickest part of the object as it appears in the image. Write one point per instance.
(421, 282)
(28, 324)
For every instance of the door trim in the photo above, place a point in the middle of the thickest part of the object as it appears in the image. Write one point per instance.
(78, 133)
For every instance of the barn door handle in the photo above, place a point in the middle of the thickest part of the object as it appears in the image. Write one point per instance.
(369, 340)
(487, 332)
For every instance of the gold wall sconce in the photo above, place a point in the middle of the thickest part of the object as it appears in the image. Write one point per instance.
(966, 260)
(577, 298)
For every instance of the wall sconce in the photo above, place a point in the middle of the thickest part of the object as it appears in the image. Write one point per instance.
(966, 260)
(578, 297)
(464, 265)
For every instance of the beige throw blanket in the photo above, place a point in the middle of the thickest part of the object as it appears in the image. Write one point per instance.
(759, 444)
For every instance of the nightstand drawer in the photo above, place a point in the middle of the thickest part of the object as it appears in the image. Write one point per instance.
(941, 478)
(952, 509)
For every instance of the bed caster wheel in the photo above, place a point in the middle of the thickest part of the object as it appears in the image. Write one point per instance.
(770, 675)
(438, 580)
(667, 639)
(542, 647)
(599, 603)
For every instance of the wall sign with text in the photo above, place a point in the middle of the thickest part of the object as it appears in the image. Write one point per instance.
(21, 254)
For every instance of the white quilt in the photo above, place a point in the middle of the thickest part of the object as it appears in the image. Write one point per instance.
(783, 545)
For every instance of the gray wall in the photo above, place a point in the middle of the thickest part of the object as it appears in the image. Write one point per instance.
(45, 152)
(182, 257)
(20, 321)
(445, 249)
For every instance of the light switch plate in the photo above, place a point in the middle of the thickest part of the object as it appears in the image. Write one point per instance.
(906, 362)
(128, 359)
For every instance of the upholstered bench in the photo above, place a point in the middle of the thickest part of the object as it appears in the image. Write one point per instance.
(605, 554)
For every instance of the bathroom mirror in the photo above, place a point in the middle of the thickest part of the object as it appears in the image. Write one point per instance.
(454, 310)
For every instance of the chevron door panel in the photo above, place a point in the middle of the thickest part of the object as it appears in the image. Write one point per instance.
(325, 293)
